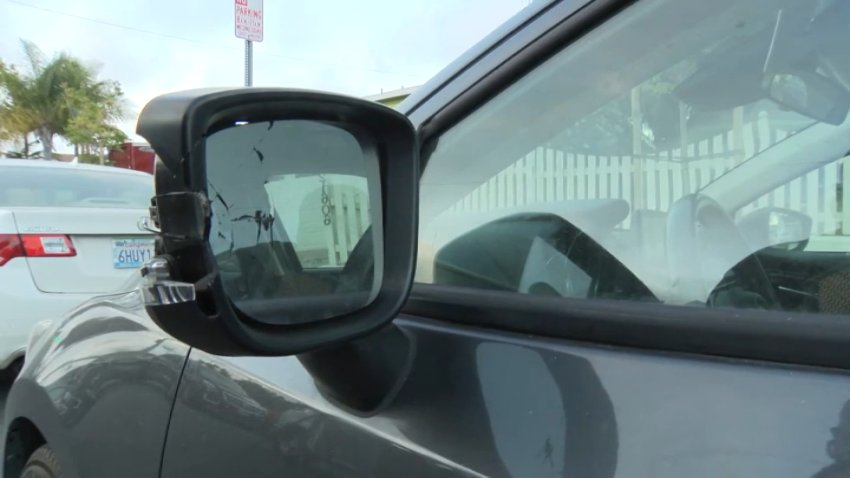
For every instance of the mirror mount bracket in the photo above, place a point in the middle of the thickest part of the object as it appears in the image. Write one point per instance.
(363, 376)
(181, 217)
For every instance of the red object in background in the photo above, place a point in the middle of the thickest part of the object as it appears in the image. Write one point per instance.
(138, 156)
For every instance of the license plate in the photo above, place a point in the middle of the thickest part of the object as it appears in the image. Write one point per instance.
(131, 253)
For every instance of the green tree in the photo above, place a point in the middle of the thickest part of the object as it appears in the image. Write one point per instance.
(89, 127)
(16, 120)
(57, 97)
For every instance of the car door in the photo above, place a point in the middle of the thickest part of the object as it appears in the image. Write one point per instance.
(585, 302)
(98, 388)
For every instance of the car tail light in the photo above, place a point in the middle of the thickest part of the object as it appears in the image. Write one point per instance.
(10, 248)
(48, 245)
(35, 245)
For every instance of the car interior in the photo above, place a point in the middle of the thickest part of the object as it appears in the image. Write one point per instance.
(698, 251)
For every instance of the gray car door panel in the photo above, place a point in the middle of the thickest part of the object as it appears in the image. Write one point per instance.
(101, 389)
(479, 403)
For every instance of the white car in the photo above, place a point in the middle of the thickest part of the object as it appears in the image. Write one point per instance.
(67, 232)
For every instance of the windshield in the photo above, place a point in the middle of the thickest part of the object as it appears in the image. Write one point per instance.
(68, 187)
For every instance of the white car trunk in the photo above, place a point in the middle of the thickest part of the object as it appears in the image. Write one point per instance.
(108, 242)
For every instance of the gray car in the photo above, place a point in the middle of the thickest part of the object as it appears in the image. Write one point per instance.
(611, 240)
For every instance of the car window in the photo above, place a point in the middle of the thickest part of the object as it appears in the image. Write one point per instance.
(67, 187)
(685, 153)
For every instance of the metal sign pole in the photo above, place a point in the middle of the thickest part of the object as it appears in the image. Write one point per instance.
(248, 25)
(249, 63)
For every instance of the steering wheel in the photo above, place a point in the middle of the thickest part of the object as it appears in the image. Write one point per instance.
(710, 260)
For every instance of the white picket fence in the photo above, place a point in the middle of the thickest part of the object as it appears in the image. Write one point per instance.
(656, 181)
(652, 182)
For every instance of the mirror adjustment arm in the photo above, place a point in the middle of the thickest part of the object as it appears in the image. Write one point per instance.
(158, 288)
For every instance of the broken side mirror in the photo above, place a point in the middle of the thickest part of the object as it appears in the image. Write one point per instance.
(287, 218)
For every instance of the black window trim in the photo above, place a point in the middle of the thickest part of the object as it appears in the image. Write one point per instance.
(794, 338)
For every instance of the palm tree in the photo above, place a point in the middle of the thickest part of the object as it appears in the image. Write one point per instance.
(45, 99)
(16, 120)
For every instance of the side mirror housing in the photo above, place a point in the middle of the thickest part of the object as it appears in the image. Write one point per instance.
(287, 218)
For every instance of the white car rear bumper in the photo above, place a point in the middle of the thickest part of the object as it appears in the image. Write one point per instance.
(23, 306)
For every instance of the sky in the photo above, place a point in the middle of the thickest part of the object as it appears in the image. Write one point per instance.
(153, 47)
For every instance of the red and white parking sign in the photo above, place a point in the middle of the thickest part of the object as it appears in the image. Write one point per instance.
(249, 19)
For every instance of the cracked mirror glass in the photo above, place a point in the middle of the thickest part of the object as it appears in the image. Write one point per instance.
(296, 218)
